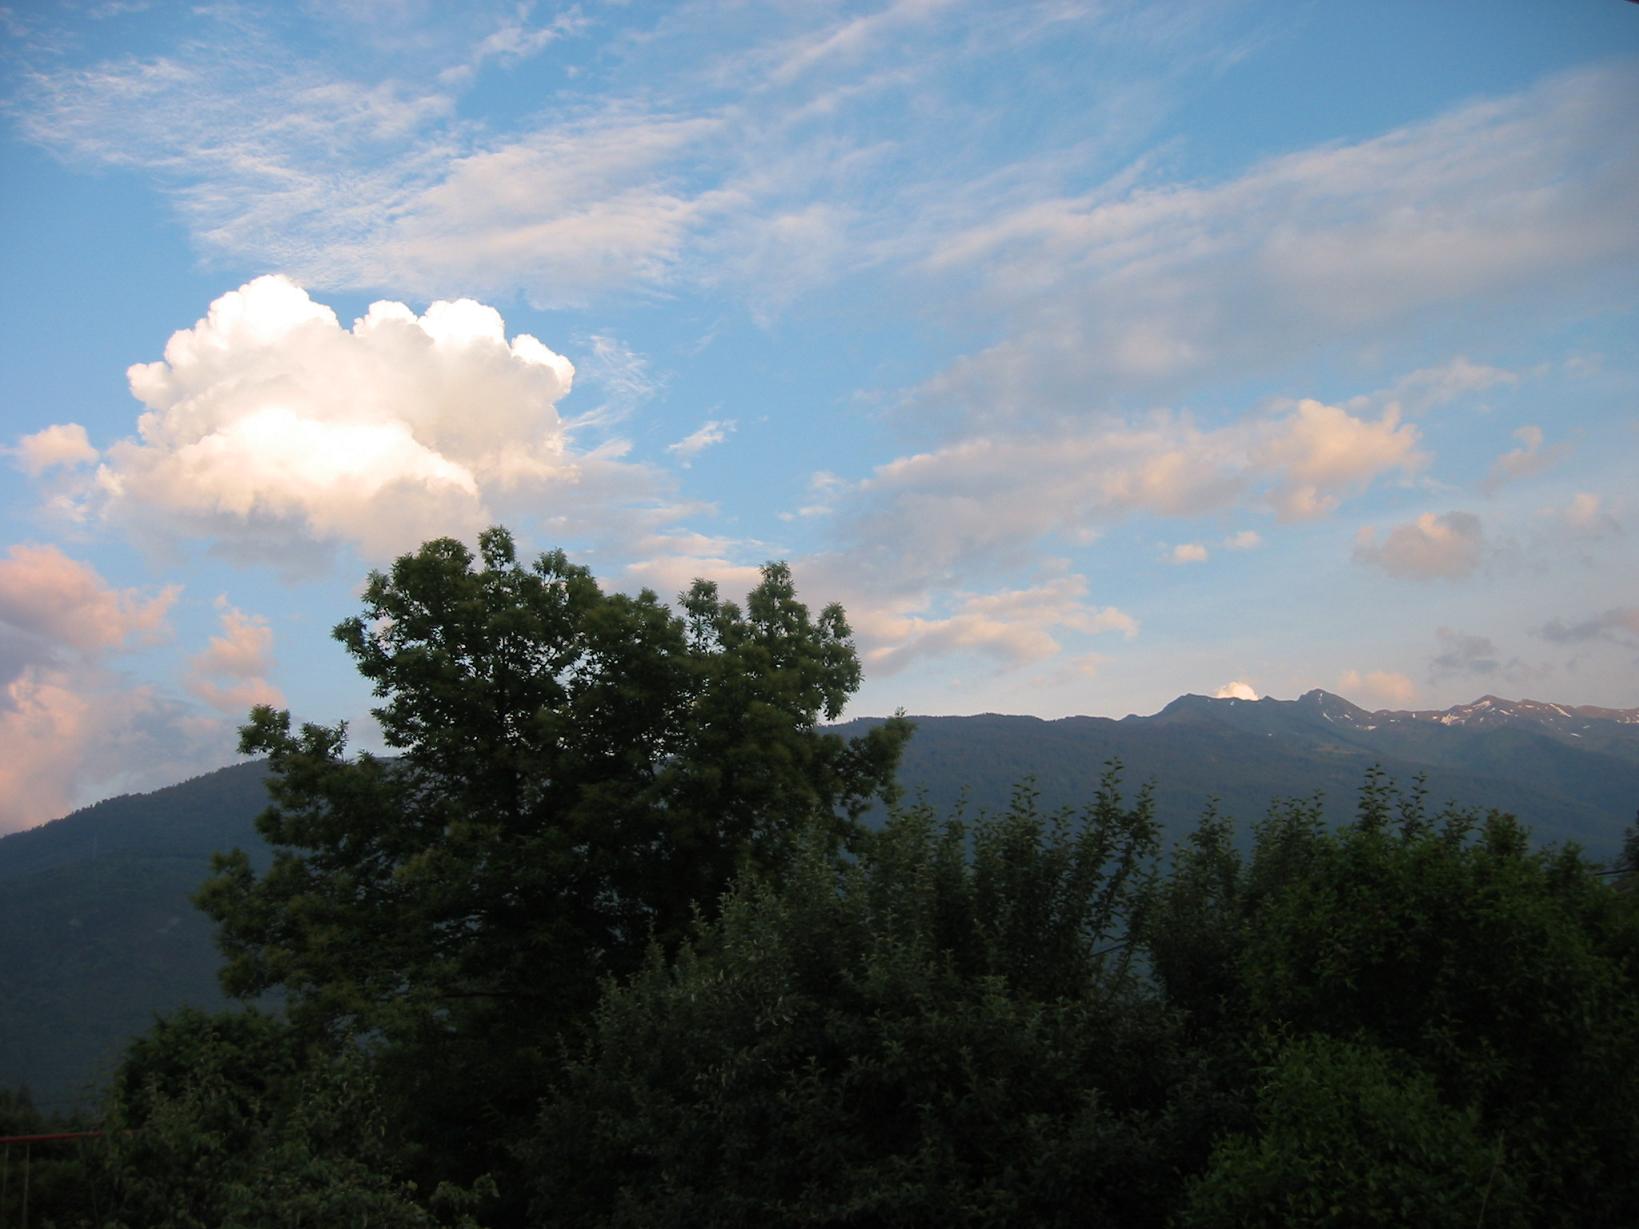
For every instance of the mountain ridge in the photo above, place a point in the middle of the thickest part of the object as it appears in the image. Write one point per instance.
(97, 932)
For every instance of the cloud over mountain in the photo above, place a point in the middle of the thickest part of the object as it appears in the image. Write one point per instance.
(67, 720)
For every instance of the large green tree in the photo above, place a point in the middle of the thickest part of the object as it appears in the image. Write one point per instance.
(577, 775)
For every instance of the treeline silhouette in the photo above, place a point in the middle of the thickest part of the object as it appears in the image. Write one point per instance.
(606, 942)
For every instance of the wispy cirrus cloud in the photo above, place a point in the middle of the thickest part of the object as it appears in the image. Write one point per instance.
(807, 146)
(1153, 284)
(1428, 388)
(1011, 627)
(354, 182)
(708, 435)
(757, 165)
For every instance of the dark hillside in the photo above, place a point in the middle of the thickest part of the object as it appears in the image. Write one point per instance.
(97, 932)
(191, 819)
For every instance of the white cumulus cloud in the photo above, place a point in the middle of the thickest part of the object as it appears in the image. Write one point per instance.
(269, 425)
(1239, 689)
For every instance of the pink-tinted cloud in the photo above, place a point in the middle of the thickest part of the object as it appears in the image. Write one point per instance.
(73, 727)
(62, 446)
(1321, 452)
(77, 731)
(1012, 627)
(230, 673)
(1447, 545)
(44, 593)
(1385, 687)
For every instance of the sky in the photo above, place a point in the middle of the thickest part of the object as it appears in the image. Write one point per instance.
(1089, 353)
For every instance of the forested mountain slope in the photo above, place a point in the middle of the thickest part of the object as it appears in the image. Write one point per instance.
(97, 933)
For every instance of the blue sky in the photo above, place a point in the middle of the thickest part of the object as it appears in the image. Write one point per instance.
(1088, 353)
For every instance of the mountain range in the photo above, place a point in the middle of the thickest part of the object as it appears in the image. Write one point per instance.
(97, 934)
(1571, 774)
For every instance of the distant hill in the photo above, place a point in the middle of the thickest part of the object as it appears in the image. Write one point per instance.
(96, 930)
(97, 933)
(1569, 774)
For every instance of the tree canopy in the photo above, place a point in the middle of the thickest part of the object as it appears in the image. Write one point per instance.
(578, 774)
(606, 941)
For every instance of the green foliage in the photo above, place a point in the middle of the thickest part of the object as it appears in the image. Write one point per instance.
(1504, 980)
(227, 1121)
(1192, 925)
(929, 1036)
(18, 1116)
(578, 774)
(47, 1178)
(1345, 1139)
(1626, 870)
(1508, 976)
